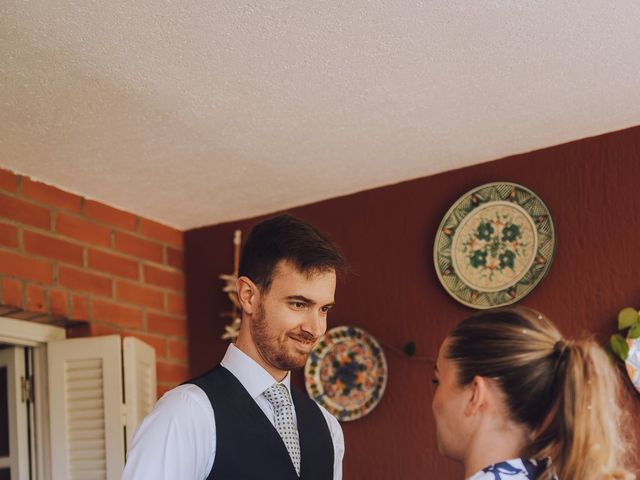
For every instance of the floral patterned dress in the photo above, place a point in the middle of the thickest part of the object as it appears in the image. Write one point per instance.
(514, 469)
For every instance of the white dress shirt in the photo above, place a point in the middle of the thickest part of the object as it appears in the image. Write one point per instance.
(177, 440)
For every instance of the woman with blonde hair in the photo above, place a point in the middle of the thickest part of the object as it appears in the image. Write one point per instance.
(515, 400)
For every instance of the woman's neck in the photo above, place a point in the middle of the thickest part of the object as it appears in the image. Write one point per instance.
(489, 446)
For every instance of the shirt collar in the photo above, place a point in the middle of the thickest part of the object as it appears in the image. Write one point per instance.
(253, 377)
(512, 468)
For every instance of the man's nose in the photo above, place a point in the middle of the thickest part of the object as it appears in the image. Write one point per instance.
(316, 323)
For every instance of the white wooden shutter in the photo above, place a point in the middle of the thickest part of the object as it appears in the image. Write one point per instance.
(85, 399)
(139, 382)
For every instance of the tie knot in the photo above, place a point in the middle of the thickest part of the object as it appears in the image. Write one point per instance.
(277, 395)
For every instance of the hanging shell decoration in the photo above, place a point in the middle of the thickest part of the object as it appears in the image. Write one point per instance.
(230, 288)
(232, 330)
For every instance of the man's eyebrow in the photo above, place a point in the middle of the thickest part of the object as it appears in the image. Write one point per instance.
(300, 298)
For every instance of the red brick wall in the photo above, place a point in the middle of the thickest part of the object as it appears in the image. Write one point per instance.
(61, 254)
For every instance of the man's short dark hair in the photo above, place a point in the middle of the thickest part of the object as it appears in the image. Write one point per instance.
(286, 237)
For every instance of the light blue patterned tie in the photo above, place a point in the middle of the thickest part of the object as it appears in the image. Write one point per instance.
(279, 398)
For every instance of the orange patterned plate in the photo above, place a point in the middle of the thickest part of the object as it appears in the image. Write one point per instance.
(346, 373)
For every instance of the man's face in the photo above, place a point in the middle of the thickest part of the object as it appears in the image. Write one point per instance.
(292, 315)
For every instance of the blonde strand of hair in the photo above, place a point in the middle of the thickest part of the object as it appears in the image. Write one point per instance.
(590, 443)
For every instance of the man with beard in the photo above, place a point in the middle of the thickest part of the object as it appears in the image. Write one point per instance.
(242, 420)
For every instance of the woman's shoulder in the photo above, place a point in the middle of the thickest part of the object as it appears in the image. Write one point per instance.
(514, 469)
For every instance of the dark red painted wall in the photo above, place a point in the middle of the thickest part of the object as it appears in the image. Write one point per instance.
(592, 189)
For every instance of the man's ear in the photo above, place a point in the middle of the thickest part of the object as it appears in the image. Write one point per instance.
(478, 395)
(248, 294)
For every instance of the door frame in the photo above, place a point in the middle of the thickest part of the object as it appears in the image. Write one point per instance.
(36, 335)
(28, 334)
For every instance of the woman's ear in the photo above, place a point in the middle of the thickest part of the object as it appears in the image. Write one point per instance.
(248, 294)
(478, 395)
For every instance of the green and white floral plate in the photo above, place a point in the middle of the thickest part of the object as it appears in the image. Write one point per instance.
(494, 245)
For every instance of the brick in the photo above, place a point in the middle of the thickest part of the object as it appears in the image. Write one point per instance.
(166, 325)
(164, 278)
(25, 212)
(98, 329)
(177, 349)
(79, 307)
(159, 344)
(84, 281)
(83, 230)
(36, 301)
(113, 264)
(171, 373)
(47, 246)
(127, 317)
(161, 233)
(174, 258)
(51, 195)
(175, 304)
(110, 215)
(139, 247)
(11, 292)
(8, 235)
(26, 267)
(8, 180)
(58, 304)
(139, 295)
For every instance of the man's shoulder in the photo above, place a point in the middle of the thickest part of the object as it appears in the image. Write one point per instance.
(187, 394)
(176, 440)
(183, 408)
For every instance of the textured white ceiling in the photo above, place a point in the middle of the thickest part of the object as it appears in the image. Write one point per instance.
(198, 112)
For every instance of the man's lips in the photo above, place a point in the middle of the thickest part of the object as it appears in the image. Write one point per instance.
(306, 343)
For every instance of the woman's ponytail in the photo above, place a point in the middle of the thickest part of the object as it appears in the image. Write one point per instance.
(583, 438)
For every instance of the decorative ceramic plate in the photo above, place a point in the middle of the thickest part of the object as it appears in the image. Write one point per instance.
(633, 362)
(346, 373)
(494, 245)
